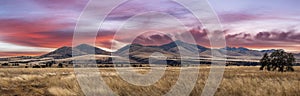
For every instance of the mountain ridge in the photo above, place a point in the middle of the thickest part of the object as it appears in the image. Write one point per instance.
(170, 49)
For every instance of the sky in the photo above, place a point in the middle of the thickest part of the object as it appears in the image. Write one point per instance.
(35, 27)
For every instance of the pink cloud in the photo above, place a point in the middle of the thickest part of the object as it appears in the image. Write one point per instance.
(235, 17)
(289, 36)
(38, 33)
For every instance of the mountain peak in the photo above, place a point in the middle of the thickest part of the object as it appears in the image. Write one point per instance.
(84, 46)
(236, 48)
(173, 47)
(89, 49)
(64, 48)
(62, 52)
(82, 49)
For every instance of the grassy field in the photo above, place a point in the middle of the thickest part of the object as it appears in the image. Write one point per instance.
(237, 81)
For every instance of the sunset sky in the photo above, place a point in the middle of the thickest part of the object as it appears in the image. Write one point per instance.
(34, 27)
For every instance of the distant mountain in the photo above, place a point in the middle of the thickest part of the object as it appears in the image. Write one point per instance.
(66, 52)
(241, 51)
(141, 51)
(170, 50)
(268, 51)
(185, 47)
(91, 49)
(63, 52)
(236, 49)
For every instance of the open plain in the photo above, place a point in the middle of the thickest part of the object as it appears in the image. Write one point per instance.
(237, 81)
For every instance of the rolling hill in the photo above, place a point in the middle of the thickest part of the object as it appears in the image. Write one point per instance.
(66, 52)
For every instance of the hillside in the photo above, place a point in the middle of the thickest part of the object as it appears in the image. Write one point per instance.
(66, 52)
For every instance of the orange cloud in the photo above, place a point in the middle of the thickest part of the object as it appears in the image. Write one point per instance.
(38, 33)
(7, 54)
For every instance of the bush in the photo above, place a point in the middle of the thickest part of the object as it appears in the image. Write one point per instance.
(60, 65)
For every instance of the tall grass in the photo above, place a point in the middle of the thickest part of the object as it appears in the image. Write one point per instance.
(237, 81)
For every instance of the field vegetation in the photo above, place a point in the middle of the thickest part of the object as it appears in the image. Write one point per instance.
(237, 81)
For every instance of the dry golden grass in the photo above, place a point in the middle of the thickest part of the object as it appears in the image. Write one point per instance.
(237, 81)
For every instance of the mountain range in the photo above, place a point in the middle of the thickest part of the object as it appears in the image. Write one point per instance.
(170, 50)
